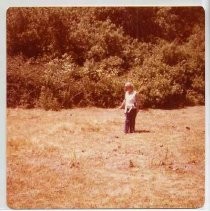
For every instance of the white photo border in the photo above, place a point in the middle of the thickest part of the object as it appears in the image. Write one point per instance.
(5, 4)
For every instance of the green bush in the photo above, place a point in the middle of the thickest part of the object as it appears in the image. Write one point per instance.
(68, 57)
(47, 100)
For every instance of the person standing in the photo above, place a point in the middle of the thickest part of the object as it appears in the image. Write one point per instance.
(131, 105)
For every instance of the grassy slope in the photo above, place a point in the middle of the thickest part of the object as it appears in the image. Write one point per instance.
(80, 158)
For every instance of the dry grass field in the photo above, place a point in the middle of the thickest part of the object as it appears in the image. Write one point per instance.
(80, 158)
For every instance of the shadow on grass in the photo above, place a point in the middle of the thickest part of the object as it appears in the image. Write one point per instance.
(142, 131)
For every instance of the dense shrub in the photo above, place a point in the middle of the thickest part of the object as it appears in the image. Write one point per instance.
(23, 82)
(66, 57)
(47, 100)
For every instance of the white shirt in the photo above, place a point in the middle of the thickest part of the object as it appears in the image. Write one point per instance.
(130, 100)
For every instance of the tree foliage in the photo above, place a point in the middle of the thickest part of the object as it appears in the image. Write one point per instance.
(64, 57)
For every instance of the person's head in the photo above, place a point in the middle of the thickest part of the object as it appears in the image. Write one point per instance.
(128, 87)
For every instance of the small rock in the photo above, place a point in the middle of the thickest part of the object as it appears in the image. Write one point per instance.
(131, 164)
(170, 167)
(192, 162)
(74, 164)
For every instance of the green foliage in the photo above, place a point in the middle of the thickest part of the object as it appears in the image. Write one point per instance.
(47, 100)
(65, 57)
(23, 82)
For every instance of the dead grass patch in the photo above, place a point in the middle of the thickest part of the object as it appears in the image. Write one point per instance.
(80, 158)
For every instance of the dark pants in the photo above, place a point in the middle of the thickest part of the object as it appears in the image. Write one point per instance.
(130, 120)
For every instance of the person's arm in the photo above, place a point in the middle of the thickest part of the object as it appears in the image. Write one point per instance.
(122, 105)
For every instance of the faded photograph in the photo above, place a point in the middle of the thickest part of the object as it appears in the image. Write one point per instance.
(105, 107)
